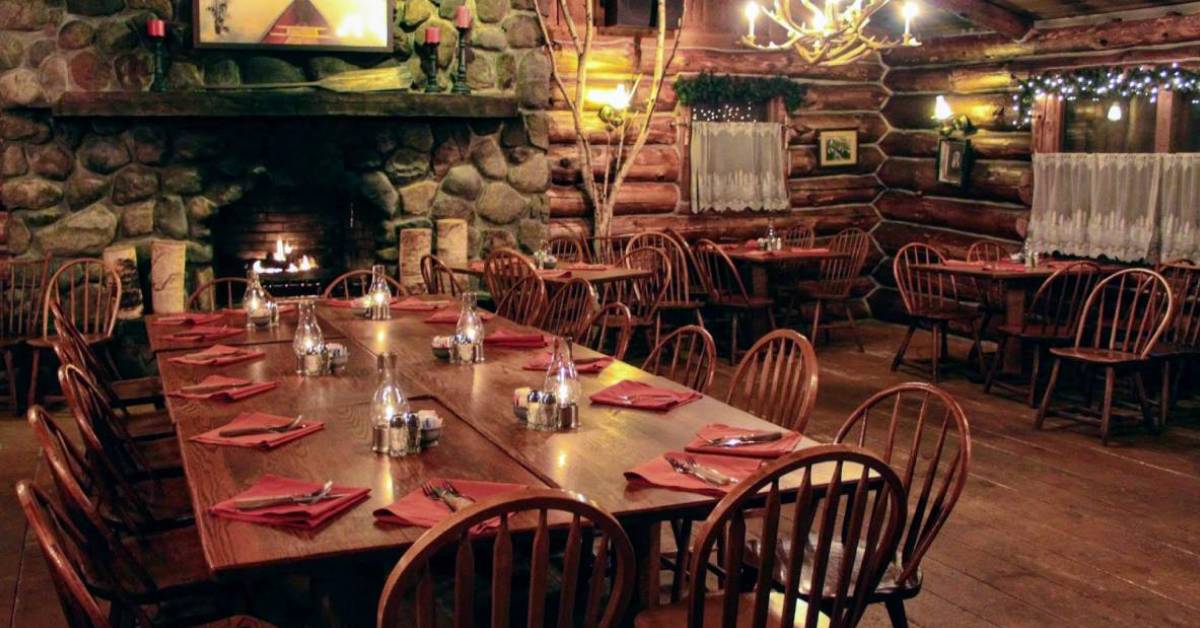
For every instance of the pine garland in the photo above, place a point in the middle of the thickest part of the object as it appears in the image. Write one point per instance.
(711, 89)
(1118, 82)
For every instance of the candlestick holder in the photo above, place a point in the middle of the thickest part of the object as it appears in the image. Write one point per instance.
(159, 84)
(460, 74)
(429, 66)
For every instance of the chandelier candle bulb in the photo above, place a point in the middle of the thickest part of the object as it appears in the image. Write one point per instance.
(835, 36)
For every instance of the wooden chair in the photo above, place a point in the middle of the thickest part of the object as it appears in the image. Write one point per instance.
(800, 236)
(106, 435)
(857, 513)
(504, 269)
(438, 277)
(609, 330)
(524, 302)
(695, 279)
(931, 300)
(224, 293)
(96, 490)
(677, 297)
(608, 250)
(595, 551)
(570, 309)
(1050, 320)
(727, 292)
(922, 433)
(836, 280)
(1180, 344)
(645, 294)
(687, 356)
(89, 293)
(990, 294)
(86, 564)
(356, 283)
(566, 248)
(145, 425)
(1123, 319)
(777, 380)
(22, 290)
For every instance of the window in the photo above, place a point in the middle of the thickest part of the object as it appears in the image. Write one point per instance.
(1090, 127)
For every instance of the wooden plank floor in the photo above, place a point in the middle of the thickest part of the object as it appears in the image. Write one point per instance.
(1053, 528)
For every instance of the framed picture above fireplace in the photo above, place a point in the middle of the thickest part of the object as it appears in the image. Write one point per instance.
(330, 25)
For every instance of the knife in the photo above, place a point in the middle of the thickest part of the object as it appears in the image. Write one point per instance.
(744, 439)
(213, 388)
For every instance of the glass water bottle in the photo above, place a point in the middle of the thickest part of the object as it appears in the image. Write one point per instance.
(379, 294)
(309, 342)
(387, 403)
(468, 335)
(256, 302)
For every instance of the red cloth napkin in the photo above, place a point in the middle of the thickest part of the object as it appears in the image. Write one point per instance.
(299, 516)
(188, 320)
(583, 266)
(218, 355)
(450, 316)
(204, 334)
(657, 473)
(1008, 265)
(235, 389)
(771, 449)
(582, 366)
(477, 265)
(413, 304)
(515, 340)
(415, 509)
(630, 394)
(260, 441)
(555, 274)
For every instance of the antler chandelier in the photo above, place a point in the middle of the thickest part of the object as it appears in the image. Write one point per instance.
(828, 35)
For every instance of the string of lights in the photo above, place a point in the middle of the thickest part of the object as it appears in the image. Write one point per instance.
(1098, 84)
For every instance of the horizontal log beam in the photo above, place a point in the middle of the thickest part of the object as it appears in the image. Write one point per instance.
(992, 112)
(892, 235)
(973, 217)
(985, 144)
(988, 15)
(634, 197)
(835, 190)
(1010, 181)
(1167, 29)
(562, 128)
(652, 163)
(851, 97)
(745, 225)
(805, 162)
(805, 127)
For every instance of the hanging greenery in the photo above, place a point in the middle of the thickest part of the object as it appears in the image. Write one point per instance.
(1095, 84)
(712, 89)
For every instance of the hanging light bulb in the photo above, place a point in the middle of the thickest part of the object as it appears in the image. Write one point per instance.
(941, 109)
(1114, 112)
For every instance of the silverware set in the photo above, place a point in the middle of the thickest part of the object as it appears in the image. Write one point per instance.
(201, 389)
(688, 466)
(447, 494)
(296, 424)
(304, 499)
(741, 440)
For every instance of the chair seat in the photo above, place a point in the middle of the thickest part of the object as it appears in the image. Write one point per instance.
(170, 507)
(814, 290)
(1038, 331)
(947, 312)
(680, 305)
(138, 389)
(161, 455)
(889, 584)
(48, 342)
(1172, 350)
(749, 303)
(675, 615)
(174, 559)
(1097, 356)
(150, 425)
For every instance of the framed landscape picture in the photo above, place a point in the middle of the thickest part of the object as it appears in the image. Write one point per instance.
(954, 162)
(837, 147)
(332, 25)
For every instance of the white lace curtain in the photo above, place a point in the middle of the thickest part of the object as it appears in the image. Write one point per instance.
(738, 166)
(1127, 207)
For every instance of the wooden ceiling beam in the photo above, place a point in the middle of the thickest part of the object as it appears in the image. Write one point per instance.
(988, 15)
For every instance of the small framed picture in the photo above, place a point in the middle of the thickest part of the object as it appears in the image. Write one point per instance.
(838, 147)
(954, 162)
(332, 25)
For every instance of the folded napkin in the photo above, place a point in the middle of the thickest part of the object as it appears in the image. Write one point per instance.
(449, 316)
(222, 388)
(189, 320)
(515, 340)
(204, 334)
(477, 265)
(769, 449)
(631, 394)
(658, 473)
(413, 304)
(299, 516)
(583, 266)
(582, 365)
(218, 355)
(415, 509)
(555, 274)
(268, 440)
(987, 265)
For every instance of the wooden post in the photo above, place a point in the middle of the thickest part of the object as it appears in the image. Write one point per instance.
(414, 244)
(1168, 121)
(1048, 116)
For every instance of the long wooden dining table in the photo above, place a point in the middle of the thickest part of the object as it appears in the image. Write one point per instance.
(482, 439)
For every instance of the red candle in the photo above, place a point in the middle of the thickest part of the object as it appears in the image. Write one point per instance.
(462, 17)
(433, 35)
(156, 28)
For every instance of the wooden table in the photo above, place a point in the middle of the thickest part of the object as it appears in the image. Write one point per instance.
(612, 274)
(284, 332)
(759, 261)
(482, 439)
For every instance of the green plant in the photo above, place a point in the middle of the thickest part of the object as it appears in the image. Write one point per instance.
(707, 88)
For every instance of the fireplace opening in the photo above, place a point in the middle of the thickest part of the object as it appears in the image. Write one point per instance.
(299, 239)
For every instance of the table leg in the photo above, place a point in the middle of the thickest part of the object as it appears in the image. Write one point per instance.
(647, 540)
(758, 280)
(1014, 315)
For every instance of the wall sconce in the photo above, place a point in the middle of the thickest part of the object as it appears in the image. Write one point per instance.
(1114, 112)
(950, 123)
(614, 104)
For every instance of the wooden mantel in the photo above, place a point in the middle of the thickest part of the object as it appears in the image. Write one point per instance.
(289, 103)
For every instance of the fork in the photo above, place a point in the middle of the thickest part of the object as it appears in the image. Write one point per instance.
(680, 466)
(450, 490)
(719, 478)
(431, 492)
(277, 429)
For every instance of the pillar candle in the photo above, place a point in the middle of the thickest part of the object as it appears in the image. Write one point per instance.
(414, 244)
(462, 17)
(433, 35)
